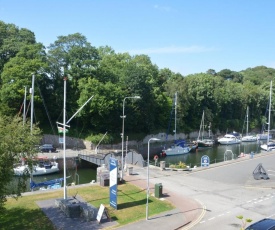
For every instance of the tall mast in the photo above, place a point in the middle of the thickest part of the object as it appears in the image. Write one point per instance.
(24, 110)
(247, 120)
(269, 112)
(202, 125)
(32, 95)
(175, 116)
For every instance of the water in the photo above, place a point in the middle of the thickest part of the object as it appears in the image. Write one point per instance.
(76, 176)
(215, 154)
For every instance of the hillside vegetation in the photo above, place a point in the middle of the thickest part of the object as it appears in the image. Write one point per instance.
(111, 78)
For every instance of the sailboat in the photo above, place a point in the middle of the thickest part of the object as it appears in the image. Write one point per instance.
(201, 141)
(247, 137)
(270, 145)
(180, 146)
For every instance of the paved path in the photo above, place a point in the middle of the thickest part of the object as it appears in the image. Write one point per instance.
(209, 198)
(187, 211)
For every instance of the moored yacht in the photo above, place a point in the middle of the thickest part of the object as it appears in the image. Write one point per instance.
(229, 139)
(268, 146)
(42, 167)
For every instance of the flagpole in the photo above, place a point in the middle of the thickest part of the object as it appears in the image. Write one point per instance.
(64, 139)
(65, 124)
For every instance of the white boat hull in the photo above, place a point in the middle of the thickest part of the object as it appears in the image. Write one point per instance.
(249, 139)
(177, 150)
(229, 139)
(268, 147)
(37, 170)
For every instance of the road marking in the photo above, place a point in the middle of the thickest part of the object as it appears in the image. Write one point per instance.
(212, 218)
(198, 220)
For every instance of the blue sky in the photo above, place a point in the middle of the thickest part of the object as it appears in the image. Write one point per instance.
(185, 36)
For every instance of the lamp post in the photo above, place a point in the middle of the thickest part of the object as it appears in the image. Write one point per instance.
(148, 188)
(122, 134)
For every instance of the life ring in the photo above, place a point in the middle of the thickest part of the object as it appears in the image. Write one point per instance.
(156, 157)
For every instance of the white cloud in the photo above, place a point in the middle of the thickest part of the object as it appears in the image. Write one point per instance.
(163, 8)
(171, 50)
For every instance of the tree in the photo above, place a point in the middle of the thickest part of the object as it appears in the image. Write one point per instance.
(16, 142)
(17, 74)
(74, 57)
(211, 72)
(11, 40)
(103, 112)
(227, 74)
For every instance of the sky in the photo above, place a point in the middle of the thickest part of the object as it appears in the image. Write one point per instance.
(186, 36)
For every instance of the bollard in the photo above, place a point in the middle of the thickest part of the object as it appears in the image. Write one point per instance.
(251, 155)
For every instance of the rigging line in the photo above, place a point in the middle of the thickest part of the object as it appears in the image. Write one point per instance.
(28, 108)
(47, 112)
(21, 107)
(81, 129)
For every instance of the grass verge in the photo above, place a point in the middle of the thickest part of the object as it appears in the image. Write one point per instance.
(24, 213)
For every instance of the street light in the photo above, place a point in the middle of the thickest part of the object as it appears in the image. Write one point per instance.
(122, 134)
(148, 189)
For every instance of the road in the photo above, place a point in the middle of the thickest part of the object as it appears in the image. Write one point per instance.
(226, 191)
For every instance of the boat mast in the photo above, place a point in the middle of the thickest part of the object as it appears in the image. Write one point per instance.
(24, 109)
(32, 95)
(269, 112)
(175, 131)
(247, 120)
(202, 125)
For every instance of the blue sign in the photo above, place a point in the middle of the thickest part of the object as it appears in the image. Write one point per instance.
(113, 182)
(205, 161)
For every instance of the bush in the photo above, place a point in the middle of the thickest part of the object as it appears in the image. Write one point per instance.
(180, 165)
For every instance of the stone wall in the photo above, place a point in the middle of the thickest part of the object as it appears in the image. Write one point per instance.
(71, 142)
(75, 143)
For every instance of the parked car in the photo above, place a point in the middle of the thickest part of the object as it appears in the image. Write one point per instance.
(48, 148)
(264, 224)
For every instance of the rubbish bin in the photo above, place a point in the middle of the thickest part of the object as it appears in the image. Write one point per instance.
(158, 190)
(130, 171)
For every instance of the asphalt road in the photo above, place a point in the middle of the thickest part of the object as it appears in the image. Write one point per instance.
(227, 191)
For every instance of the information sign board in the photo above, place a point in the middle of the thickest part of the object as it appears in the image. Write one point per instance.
(205, 161)
(113, 182)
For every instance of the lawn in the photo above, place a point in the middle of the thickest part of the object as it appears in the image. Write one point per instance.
(24, 213)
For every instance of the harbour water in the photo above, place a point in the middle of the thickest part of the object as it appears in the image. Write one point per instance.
(216, 154)
(87, 174)
(74, 176)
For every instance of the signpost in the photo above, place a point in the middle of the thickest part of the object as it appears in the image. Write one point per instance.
(113, 182)
(205, 161)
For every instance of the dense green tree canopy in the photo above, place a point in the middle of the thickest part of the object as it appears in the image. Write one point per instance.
(16, 142)
(111, 77)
